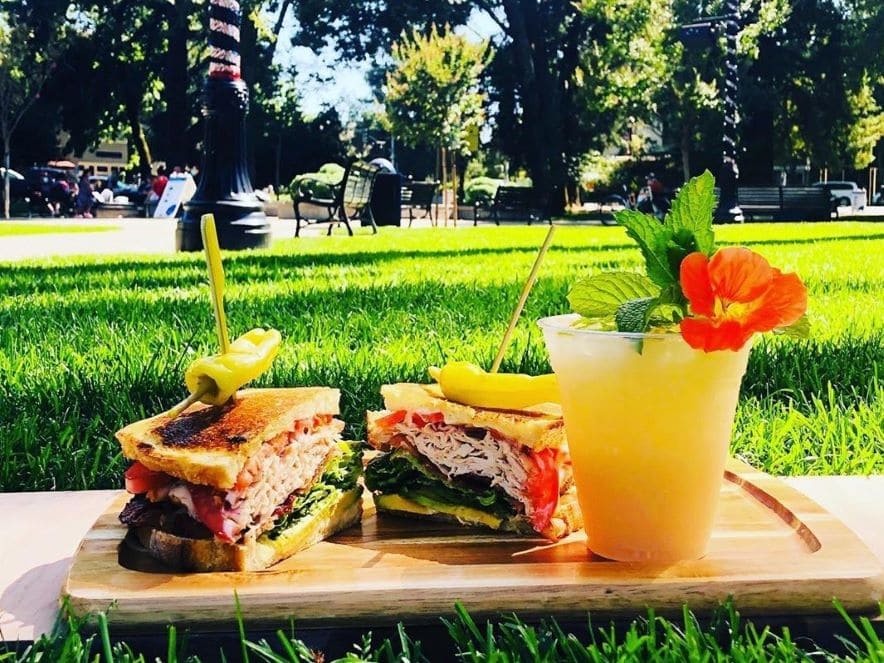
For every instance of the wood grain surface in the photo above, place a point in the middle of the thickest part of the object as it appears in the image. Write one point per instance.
(775, 550)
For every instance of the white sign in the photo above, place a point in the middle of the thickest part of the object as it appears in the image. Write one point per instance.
(179, 189)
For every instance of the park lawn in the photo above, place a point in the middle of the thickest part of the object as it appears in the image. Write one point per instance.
(87, 346)
(14, 229)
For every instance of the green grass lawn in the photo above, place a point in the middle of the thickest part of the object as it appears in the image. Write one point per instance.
(87, 346)
(13, 228)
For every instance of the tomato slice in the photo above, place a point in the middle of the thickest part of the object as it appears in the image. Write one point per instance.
(421, 420)
(542, 487)
(391, 419)
(140, 479)
(209, 510)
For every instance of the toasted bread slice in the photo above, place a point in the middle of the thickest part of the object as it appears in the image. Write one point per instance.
(536, 428)
(212, 555)
(209, 445)
(566, 519)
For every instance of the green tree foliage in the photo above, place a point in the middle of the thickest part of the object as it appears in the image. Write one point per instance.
(690, 103)
(29, 45)
(867, 126)
(432, 94)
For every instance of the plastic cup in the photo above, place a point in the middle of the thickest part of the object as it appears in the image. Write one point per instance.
(649, 422)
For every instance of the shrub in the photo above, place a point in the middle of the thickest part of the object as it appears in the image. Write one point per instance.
(318, 184)
(482, 189)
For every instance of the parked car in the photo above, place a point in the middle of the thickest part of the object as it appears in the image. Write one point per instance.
(845, 194)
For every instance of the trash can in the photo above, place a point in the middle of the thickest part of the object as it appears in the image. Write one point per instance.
(386, 197)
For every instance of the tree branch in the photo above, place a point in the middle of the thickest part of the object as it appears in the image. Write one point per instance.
(489, 8)
(281, 18)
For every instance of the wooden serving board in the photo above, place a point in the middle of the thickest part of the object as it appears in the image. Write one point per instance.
(775, 550)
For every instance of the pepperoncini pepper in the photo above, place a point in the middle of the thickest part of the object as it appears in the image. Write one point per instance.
(216, 378)
(467, 383)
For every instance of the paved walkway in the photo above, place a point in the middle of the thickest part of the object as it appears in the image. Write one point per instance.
(157, 236)
(143, 236)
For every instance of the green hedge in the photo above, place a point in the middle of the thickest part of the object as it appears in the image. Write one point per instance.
(482, 189)
(318, 184)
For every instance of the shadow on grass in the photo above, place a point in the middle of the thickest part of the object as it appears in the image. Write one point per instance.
(29, 279)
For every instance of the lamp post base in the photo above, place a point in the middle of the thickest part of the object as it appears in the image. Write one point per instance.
(241, 224)
(728, 210)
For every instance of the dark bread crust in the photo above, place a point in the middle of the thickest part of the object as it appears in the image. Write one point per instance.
(206, 555)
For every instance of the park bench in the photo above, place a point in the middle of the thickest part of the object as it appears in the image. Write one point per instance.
(419, 197)
(351, 200)
(514, 202)
(786, 203)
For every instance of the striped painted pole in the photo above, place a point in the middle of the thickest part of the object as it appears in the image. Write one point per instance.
(225, 18)
(225, 188)
(728, 209)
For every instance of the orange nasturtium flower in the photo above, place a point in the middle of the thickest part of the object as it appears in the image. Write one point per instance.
(735, 294)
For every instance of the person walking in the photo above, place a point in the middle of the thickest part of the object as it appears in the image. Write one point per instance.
(160, 182)
(85, 200)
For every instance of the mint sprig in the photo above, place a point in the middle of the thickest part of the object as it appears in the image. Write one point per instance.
(634, 301)
(601, 295)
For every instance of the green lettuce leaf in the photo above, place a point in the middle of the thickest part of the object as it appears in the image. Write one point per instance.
(339, 476)
(399, 472)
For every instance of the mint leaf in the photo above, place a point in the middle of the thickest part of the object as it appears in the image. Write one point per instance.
(682, 243)
(692, 211)
(673, 295)
(666, 314)
(633, 316)
(652, 238)
(798, 329)
(601, 295)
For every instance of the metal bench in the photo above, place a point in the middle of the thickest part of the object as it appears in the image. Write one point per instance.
(352, 200)
(513, 200)
(786, 203)
(419, 197)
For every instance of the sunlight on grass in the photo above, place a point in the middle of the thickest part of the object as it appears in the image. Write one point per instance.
(9, 229)
(88, 345)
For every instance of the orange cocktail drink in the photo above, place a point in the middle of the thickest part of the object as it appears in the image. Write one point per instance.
(649, 421)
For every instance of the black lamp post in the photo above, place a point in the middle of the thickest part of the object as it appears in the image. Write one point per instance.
(225, 188)
(702, 34)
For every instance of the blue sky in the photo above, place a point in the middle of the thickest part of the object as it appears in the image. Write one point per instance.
(323, 81)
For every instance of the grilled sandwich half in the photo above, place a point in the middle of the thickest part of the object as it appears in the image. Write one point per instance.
(502, 469)
(241, 486)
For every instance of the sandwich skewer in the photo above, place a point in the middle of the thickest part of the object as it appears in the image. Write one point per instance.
(526, 290)
(215, 380)
(216, 279)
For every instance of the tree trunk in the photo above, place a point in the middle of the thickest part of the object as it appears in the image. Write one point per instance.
(454, 186)
(6, 162)
(445, 197)
(175, 87)
(685, 151)
(543, 121)
(139, 139)
(278, 160)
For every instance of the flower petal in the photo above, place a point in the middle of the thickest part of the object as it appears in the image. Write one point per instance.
(739, 275)
(783, 303)
(695, 284)
(711, 335)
